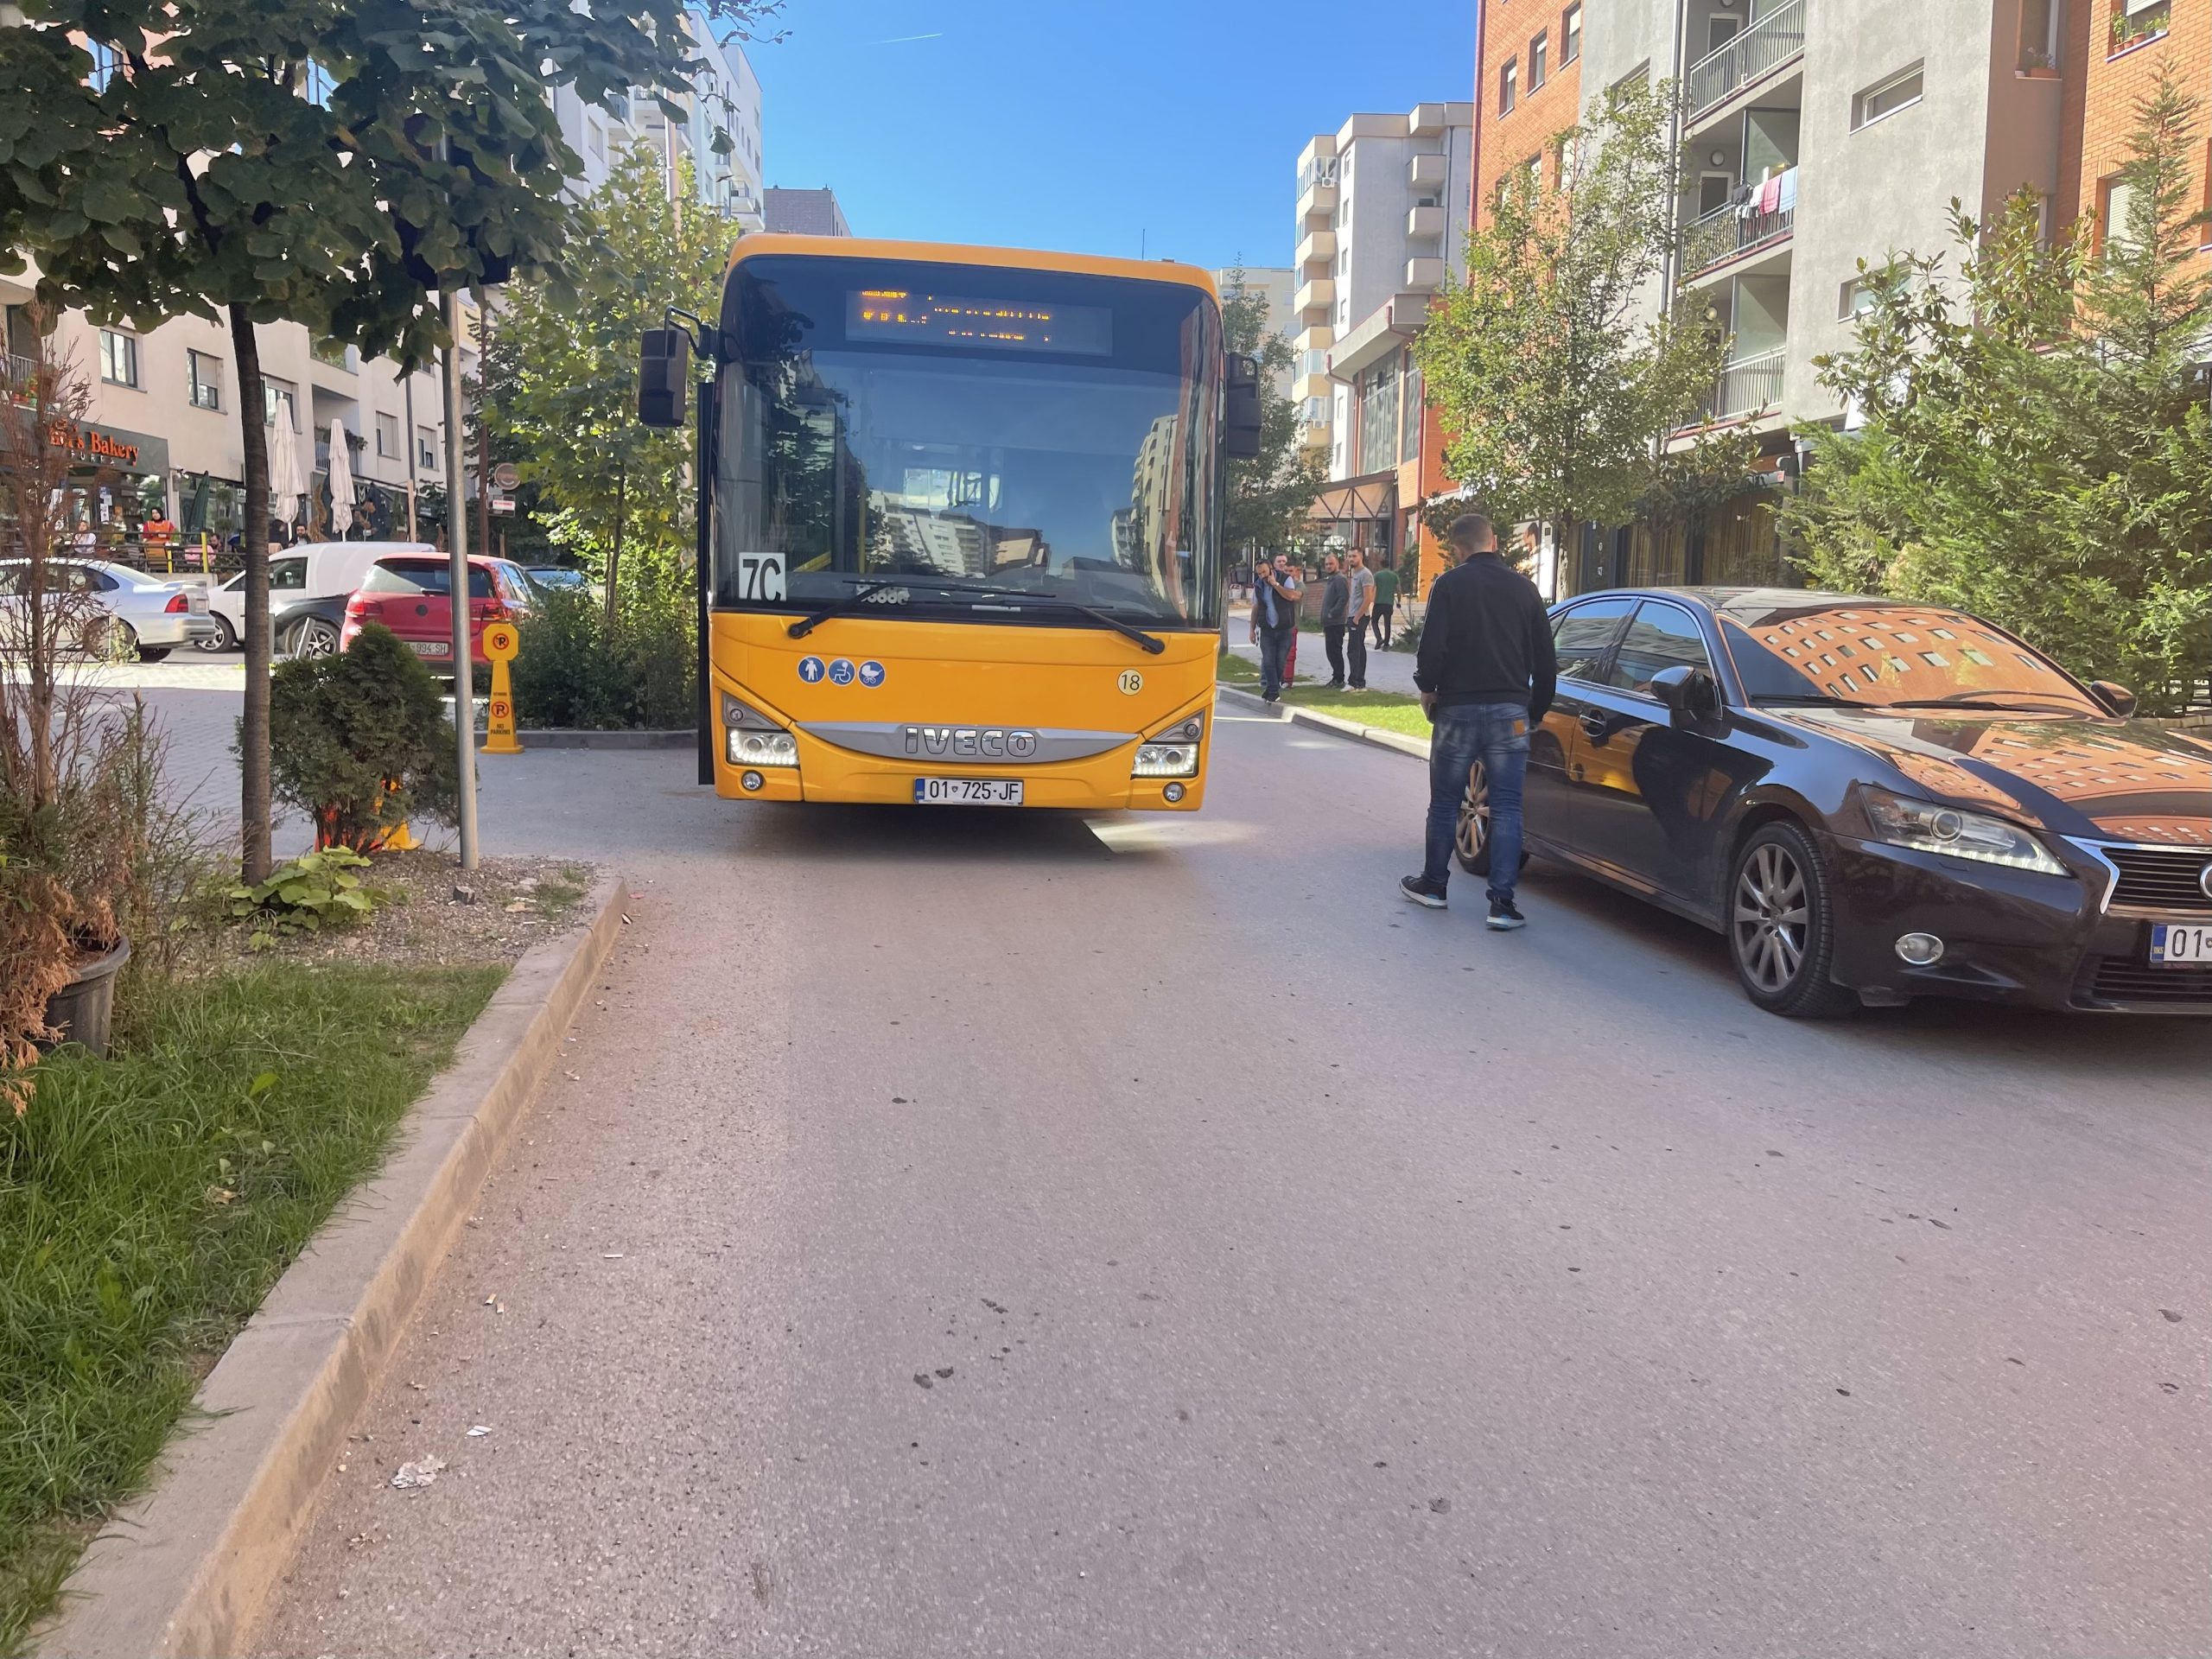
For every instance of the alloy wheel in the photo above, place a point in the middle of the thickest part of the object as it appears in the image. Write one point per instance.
(1771, 917)
(1472, 834)
(315, 639)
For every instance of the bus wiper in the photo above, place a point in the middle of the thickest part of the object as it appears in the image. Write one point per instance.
(1014, 599)
(851, 601)
(1152, 643)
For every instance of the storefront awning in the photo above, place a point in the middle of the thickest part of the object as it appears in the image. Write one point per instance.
(1373, 496)
(109, 448)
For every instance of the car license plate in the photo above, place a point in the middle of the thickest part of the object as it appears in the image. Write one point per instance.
(429, 648)
(2176, 945)
(967, 791)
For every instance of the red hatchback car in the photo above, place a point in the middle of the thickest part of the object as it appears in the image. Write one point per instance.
(412, 595)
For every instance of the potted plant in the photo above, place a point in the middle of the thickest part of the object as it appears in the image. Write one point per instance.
(69, 750)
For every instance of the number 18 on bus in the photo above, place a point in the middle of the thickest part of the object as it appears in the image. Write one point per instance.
(960, 516)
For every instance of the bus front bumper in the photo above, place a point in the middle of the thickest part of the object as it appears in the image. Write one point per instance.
(825, 772)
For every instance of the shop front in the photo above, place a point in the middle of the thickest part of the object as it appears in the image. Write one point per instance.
(119, 483)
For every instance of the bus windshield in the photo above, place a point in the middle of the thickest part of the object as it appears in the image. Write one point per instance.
(982, 431)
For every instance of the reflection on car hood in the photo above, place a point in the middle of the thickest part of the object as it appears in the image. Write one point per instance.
(2122, 780)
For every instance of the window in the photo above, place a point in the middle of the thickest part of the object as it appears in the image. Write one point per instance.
(1409, 419)
(318, 85)
(119, 358)
(280, 403)
(2038, 36)
(1539, 60)
(2111, 221)
(2134, 22)
(598, 140)
(288, 576)
(1713, 190)
(203, 377)
(1582, 634)
(388, 436)
(1885, 98)
(330, 351)
(1508, 86)
(107, 61)
(1570, 35)
(426, 449)
(1662, 636)
(1378, 416)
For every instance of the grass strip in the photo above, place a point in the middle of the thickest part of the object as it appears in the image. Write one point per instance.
(1392, 711)
(149, 1202)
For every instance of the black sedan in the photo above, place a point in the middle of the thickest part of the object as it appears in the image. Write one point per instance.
(1873, 800)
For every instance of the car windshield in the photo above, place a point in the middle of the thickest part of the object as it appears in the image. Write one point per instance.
(1868, 653)
(1050, 437)
(422, 576)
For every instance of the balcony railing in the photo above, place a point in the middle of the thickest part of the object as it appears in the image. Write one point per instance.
(1720, 236)
(1773, 41)
(1748, 384)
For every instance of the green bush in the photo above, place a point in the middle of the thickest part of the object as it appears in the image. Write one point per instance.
(574, 670)
(307, 895)
(360, 743)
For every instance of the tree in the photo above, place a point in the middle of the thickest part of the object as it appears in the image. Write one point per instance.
(2036, 444)
(561, 381)
(1269, 495)
(331, 163)
(1555, 383)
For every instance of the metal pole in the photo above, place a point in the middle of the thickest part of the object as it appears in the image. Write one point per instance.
(464, 673)
(407, 448)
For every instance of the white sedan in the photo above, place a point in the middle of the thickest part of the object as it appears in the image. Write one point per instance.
(143, 615)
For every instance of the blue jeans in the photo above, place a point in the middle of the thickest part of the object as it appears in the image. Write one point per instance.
(1275, 651)
(1496, 733)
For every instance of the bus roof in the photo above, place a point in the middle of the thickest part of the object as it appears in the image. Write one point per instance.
(763, 244)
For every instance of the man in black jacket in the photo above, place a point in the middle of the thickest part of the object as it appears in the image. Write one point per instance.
(1487, 672)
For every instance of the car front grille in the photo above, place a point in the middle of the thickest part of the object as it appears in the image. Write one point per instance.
(2161, 878)
(2125, 979)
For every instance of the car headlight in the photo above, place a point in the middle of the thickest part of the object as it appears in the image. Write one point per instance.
(754, 739)
(1165, 760)
(1929, 827)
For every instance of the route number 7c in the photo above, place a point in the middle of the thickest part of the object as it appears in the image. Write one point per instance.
(760, 576)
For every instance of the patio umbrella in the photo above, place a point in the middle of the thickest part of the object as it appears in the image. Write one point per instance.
(341, 482)
(286, 485)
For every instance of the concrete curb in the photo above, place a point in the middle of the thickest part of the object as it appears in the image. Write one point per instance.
(561, 737)
(185, 1570)
(1397, 742)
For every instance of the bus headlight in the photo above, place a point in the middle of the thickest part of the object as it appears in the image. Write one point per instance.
(754, 739)
(1166, 760)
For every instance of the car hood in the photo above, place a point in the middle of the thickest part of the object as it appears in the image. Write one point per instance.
(2077, 775)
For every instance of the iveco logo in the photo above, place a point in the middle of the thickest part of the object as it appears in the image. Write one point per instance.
(971, 742)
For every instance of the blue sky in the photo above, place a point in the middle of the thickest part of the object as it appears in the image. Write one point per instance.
(1089, 126)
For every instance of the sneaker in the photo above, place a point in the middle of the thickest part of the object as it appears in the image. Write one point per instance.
(1421, 892)
(1504, 917)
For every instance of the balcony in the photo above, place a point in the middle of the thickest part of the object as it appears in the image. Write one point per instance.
(1424, 224)
(1722, 236)
(1317, 204)
(1318, 248)
(1315, 337)
(1315, 299)
(1313, 386)
(1424, 274)
(1748, 384)
(1752, 55)
(1429, 171)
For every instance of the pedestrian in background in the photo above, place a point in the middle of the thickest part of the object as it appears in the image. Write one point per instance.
(1274, 623)
(1362, 584)
(1336, 600)
(1386, 601)
(1486, 671)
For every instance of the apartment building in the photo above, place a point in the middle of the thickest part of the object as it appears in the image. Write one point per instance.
(806, 212)
(1528, 82)
(2104, 55)
(1381, 217)
(1277, 286)
(1819, 133)
(724, 102)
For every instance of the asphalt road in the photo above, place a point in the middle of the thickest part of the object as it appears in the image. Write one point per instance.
(972, 1234)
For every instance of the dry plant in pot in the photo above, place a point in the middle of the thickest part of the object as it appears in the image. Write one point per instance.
(70, 749)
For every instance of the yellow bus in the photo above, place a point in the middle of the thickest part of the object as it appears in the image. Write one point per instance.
(960, 526)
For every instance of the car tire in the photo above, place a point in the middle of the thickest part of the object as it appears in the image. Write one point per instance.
(153, 653)
(1471, 835)
(111, 640)
(1780, 917)
(224, 638)
(312, 637)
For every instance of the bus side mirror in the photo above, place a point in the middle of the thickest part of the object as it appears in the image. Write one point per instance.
(664, 377)
(1240, 409)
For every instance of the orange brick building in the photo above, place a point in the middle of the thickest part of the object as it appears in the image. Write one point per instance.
(2107, 59)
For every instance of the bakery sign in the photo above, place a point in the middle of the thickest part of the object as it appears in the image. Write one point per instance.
(101, 446)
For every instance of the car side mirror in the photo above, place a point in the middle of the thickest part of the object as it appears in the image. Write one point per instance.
(2118, 698)
(1239, 408)
(664, 377)
(1688, 692)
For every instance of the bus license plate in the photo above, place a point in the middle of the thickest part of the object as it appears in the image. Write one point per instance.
(2176, 945)
(967, 791)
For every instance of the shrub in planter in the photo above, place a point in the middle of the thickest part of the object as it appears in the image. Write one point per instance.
(359, 742)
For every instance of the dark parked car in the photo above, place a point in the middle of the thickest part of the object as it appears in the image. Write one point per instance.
(1872, 801)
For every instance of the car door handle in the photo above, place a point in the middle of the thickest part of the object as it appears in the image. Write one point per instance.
(1594, 724)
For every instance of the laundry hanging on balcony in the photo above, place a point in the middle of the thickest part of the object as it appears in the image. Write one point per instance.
(1786, 198)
